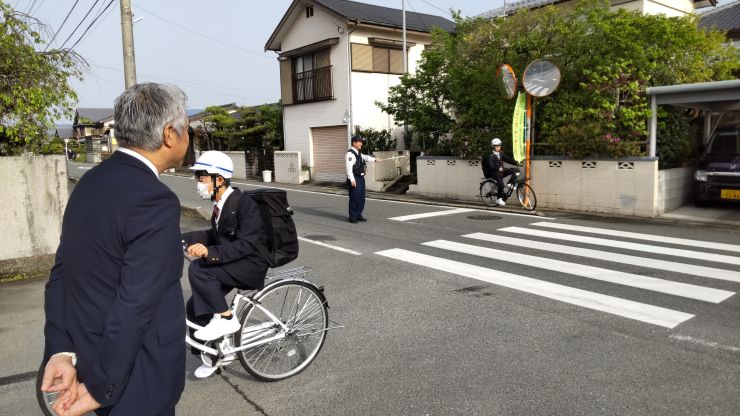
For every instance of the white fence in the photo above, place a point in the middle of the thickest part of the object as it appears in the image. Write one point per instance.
(631, 186)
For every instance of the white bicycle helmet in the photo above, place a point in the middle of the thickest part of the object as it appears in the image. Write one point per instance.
(215, 163)
(496, 142)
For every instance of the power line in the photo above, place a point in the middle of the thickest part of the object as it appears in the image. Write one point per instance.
(79, 24)
(192, 82)
(92, 23)
(204, 36)
(447, 12)
(62, 25)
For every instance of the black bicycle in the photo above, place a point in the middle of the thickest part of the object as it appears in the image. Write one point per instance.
(524, 193)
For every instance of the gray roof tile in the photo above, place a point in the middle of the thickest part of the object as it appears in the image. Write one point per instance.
(725, 18)
(386, 16)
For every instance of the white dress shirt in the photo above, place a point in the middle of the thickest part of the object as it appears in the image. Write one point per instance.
(140, 157)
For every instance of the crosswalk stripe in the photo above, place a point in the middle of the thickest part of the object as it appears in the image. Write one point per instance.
(431, 214)
(669, 266)
(656, 315)
(642, 236)
(612, 276)
(690, 254)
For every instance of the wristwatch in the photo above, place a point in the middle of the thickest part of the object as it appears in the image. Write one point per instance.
(71, 355)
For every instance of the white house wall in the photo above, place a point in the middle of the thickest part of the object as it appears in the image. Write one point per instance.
(299, 118)
(367, 88)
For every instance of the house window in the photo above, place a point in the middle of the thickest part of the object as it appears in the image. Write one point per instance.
(312, 77)
(379, 59)
(309, 11)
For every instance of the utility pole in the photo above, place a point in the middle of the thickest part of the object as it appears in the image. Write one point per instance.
(127, 35)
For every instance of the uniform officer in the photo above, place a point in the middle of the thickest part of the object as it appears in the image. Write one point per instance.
(356, 162)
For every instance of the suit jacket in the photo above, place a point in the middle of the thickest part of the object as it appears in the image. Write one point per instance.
(114, 294)
(236, 242)
(491, 163)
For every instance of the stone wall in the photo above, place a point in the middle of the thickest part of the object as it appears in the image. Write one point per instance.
(36, 193)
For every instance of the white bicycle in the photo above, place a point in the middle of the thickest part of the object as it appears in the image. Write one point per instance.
(283, 327)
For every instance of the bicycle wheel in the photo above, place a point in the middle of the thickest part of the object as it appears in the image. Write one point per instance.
(488, 192)
(526, 196)
(299, 307)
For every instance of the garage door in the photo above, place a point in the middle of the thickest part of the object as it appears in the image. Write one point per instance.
(329, 148)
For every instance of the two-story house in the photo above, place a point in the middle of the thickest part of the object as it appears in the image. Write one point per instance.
(336, 59)
(665, 7)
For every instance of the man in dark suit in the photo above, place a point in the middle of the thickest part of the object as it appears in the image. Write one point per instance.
(114, 302)
(228, 253)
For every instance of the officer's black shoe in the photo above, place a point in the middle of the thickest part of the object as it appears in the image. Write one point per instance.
(353, 221)
(362, 219)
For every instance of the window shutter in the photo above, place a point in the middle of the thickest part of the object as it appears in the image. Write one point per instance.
(396, 61)
(380, 60)
(286, 81)
(362, 57)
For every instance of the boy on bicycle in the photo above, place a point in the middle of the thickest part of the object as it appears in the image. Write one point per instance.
(227, 254)
(493, 168)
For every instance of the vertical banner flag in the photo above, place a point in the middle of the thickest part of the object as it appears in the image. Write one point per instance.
(518, 127)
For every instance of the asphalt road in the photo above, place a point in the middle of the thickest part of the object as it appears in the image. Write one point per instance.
(436, 324)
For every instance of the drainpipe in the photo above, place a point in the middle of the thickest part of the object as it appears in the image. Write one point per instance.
(351, 121)
(652, 138)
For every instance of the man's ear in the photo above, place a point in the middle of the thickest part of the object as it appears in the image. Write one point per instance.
(168, 135)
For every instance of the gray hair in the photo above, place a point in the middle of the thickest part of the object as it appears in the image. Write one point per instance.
(143, 110)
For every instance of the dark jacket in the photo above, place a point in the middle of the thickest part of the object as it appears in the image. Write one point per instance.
(114, 294)
(234, 244)
(491, 163)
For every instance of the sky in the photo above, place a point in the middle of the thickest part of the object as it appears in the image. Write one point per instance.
(213, 50)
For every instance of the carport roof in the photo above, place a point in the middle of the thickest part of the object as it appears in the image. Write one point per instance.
(717, 96)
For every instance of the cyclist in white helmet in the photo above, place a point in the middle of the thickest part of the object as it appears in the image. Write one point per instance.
(227, 253)
(493, 168)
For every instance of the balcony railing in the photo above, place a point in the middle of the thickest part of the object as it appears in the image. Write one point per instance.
(314, 85)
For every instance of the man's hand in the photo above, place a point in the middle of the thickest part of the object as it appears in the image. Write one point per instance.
(197, 250)
(60, 376)
(354, 184)
(84, 403)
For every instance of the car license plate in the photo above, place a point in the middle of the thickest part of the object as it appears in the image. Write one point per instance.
(730, 194)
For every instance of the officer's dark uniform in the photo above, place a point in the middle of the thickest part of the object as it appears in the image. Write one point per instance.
(357, 192)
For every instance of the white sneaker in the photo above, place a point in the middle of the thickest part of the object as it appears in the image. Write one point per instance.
(205, 370)
(499, 201)
(217, 328)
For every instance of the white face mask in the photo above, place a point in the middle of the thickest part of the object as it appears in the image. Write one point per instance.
(203, 190)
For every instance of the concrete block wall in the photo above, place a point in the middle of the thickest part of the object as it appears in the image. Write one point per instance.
(33, 211)
(632, 186)
(675, 188)
(288, 167)
(624, 187)
(447, 177)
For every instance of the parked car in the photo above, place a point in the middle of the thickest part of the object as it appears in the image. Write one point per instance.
(718, 176)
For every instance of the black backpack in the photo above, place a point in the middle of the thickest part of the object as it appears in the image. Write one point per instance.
(280, 232)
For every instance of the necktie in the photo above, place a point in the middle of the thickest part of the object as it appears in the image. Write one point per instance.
(215, 213)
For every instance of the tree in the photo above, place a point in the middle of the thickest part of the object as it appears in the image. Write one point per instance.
(607, 59)
(34, 84)
(248, 128)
